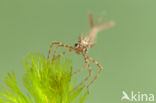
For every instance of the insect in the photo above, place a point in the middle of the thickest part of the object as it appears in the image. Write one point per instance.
(82, 46)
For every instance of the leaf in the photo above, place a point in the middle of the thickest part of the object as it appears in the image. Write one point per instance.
(83, 97)
(44, 81)
(75, 94)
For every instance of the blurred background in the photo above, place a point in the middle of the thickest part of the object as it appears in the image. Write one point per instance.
(127, 51)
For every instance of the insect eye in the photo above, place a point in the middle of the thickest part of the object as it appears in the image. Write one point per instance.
(76, 44)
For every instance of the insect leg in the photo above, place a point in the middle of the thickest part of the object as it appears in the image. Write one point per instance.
(63, 53)
(58, 44)
(62, 45)
(86, 65)
(80, 70)
(55, 50)
(97, 75)
(65, 45)
(90, 73)
(50, 48)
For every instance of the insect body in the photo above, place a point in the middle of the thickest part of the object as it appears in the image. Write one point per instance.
(82, 46)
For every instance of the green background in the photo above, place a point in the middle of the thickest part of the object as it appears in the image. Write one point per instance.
(127, 51)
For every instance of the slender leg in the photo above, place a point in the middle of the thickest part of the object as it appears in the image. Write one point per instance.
(59, 44)
(50, 48)
(97, 75)
(91, 20)
(63, 53)
(80, 69)
(90, 73)
(54, 54)
(86, 65)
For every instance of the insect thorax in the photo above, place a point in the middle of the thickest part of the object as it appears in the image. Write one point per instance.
(81, 46)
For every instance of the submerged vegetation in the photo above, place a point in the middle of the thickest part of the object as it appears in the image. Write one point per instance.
(44, 81)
